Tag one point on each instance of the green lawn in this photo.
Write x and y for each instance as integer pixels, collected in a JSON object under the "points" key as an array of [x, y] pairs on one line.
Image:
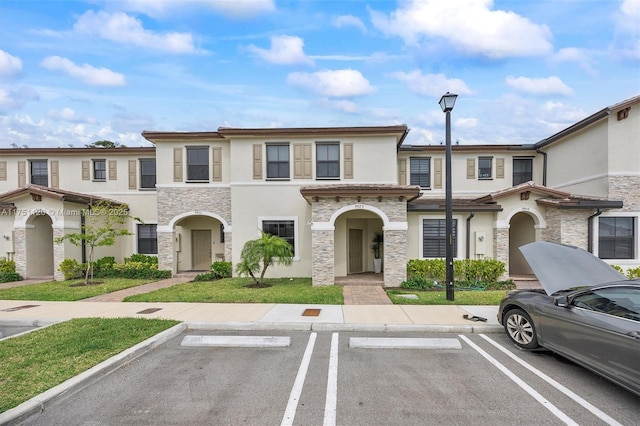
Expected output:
{"points": [[42, 359], [487, 297], [69, 290], [234, 290]]}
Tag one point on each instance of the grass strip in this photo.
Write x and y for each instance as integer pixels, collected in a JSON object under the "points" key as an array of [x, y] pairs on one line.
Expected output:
{"points": [[487, 297], [37, 361], [69, 291], [235, 290]]}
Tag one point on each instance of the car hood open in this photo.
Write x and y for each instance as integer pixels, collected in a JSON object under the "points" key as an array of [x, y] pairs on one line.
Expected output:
{"points": [[561, 267]]}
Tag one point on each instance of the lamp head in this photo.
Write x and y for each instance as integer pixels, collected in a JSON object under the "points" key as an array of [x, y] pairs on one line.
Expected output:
{"points": [[447, 101]]}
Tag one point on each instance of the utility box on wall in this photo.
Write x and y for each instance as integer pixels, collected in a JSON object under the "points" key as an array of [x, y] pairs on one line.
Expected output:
{"points": [[481, 244]]}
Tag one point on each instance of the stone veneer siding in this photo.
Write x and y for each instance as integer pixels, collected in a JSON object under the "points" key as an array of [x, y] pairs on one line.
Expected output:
{"points": [[395, 241], [20, 256], [627, 189], [567, 227], [501, 246], [58, 254], [174, 201]]}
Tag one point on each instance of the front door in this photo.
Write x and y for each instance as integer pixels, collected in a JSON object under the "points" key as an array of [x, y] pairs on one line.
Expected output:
{"points": [[355, 251], [201, 249]]}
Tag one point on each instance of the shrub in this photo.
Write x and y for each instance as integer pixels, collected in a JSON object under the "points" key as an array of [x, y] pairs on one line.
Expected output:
{"points": [[222, 269], [417, 283], [103, 267], [633, 273], [467, 270], [7, 277], [71, 269], [133, 269], [618, 268], [7, 266], [142, 258]]}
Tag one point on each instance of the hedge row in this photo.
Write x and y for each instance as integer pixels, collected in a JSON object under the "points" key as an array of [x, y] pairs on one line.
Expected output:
{"points": [[136, 266]]}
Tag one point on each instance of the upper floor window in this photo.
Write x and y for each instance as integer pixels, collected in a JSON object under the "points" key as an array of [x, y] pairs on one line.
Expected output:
{"points": [[434, 238], [484, 167], [100, 170], [420, 169], [278, 161], [147, 173], [198, 163], [39, 173], [147, 239], [328, 160], [522, 170], [616, 238]]}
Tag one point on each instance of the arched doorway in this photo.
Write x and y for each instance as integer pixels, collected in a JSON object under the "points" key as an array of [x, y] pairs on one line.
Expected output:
{"points": [[198, 242], [521, 232], [39, 246], [354, 230]]}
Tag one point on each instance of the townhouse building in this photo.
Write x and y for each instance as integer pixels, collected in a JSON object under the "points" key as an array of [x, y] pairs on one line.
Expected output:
{"points": [[328, 191]]}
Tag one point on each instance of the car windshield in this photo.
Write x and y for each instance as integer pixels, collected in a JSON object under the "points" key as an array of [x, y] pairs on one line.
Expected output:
{"points": [[621, 302]]}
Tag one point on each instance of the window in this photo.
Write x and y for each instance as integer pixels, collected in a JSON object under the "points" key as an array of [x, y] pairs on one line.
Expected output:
{"points": [[621, 302], [284, 229], [420, 169], [147, 239], [198, 163], [484, 167], [147, 173], [39, 174], [434, 238], [328, 161], [616, 238], [100, 170], [522, 170], [277, 161]]}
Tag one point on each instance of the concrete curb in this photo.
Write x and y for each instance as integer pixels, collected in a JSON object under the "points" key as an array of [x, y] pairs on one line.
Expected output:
{"points": [[39, 402]]}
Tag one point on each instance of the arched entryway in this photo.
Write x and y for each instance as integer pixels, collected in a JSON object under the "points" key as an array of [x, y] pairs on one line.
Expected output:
{"points": [[521, 232], [39, 246], [199, 241], [354, 231]]}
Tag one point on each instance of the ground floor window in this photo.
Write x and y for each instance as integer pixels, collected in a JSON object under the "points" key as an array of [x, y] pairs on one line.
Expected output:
{"points": [[616, 238], [434, 238], [284, 229], [147, 239]]}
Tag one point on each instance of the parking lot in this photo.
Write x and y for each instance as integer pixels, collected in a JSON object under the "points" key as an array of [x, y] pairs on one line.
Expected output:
{"points": [[344, 378]]}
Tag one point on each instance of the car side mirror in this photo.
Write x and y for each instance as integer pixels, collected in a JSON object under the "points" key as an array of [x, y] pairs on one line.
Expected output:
{"points": [[562, 301]]}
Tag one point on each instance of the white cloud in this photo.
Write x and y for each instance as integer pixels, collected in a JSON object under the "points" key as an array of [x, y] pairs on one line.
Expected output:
{"points": [[341, 105], [350, 21], [539, 86], [581, 57], [85, 73], [285, 50], [10, 66], [431, 84], [68, 114], [469, 25], [122, 28], [332, 83], [238, 9], [628, 26], [15, 99]]}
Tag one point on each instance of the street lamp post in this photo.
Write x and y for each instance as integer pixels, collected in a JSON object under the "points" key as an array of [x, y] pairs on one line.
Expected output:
{"points": [[447, 102]]}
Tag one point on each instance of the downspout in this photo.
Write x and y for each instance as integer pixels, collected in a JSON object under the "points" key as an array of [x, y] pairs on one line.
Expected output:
{"points": [[544, 166], [590, 229], [83, 243], [471, 214]]}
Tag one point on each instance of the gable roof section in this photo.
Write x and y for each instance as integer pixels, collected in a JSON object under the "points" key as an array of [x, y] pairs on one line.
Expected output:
{"points": [[520, 189], [55, 193]]}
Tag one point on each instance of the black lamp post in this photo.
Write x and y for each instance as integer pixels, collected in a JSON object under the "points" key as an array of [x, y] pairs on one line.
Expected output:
{"points": [[447, 101]]}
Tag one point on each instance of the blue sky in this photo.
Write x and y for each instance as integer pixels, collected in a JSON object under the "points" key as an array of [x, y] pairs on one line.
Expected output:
{"points": [[74, 72]]}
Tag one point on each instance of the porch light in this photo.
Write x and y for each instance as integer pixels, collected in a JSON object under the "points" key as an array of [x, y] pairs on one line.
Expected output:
{"points": [[447, 101]]}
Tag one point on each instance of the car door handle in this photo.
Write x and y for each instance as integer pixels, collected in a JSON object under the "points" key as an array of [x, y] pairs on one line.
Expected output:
{"points": [[634, 334]]}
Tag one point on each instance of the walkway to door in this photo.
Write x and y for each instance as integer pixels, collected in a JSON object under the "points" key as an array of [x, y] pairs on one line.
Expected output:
{"points": [[363, 289]]}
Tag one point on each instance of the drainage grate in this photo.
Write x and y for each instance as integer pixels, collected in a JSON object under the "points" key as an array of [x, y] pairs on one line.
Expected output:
{"points": [[311, 312], [149, 311], [18, 308]]}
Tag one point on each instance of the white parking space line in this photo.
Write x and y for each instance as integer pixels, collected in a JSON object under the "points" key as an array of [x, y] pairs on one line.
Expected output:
{"points": [[331, 401], [601, 415], [294, 397], [545, 403], [237, 341], [403, 343]]}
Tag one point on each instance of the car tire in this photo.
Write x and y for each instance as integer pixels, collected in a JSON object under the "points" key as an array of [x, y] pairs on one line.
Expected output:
{"points": [[520, 329]]}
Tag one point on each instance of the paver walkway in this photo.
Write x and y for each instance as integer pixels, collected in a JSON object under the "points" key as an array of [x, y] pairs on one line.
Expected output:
{"points": [[365, 295], [118, 296]]}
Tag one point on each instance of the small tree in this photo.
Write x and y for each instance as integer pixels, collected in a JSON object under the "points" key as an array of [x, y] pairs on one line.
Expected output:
{"points": [[257, 255], [103, 224]]}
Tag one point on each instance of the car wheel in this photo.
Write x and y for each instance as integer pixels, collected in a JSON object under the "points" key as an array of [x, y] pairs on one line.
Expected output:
{"points": [[520, 329]]}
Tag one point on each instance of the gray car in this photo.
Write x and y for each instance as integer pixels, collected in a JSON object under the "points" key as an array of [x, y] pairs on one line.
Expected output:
{"points": [[588, 312]]}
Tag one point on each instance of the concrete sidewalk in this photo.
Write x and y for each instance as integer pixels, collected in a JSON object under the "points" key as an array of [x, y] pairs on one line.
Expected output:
{"points": [[247, 316]]}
